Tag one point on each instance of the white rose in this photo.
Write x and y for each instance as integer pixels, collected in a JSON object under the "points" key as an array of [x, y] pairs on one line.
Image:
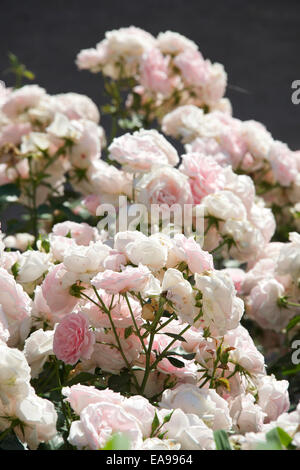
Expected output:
{"points": [[38, 347], [205, 403], [224, 205], [32, 265], [148, 252], [180, 292], [222, 310], [246, 415]]}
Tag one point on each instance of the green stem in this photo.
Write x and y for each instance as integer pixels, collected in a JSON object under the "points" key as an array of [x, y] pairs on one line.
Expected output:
{"points": [[106, 310], [135, 324]]}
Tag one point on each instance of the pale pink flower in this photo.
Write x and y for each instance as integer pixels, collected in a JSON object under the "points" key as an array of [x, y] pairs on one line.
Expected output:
{"points": [[154, 72], [56, 294], [82, 233], [119, 311], [164, 186], [273, 396], [283, 163], [194, 69], [188, 250], [130, 278], [142, 150], [72, 339], [21, 99], [99, 421], [205, 175], [80, 396]]}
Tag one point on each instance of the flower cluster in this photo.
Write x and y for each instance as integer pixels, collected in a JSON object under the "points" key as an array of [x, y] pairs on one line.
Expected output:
{"points": [[149, 300], [158, 74], [248, 148]]}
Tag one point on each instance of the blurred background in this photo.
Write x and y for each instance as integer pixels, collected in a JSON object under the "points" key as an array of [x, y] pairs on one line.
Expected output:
{"points": [[258, 42]]}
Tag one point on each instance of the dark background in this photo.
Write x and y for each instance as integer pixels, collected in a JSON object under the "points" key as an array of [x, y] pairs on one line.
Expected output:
{"points": [[257, 41]]}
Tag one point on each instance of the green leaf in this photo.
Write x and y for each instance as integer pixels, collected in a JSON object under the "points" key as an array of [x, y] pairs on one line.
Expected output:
{"points": [[276, 439], [15, 269], [175, 336], [118, 441], [284, 437], [293, 322], [175, 362], [128, 332], [221, 440], [155, 424]]}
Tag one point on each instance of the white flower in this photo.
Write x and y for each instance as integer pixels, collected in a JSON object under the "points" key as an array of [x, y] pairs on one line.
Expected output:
{"points": [[38, 347], [205, 403], [32, 265], [222, 310]]}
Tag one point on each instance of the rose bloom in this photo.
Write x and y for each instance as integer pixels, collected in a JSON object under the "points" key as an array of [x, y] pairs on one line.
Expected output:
{"points": [[205, 175], [188, 250], [222, 310], [246, 415], [224, 205], [206, 404], [16, 307], [99, 421], [188, 430], [154, 73], [56, 294], [283, 163], [273, 396], [80, 396], [130, 278], [183, 122], [142, 150], [263, 307], [82, 233], [106, 354], [72, 339], [194, 69], [21, 99], [245, 352], [164, 186], [173, 43], [38, 347], [77, 106]]}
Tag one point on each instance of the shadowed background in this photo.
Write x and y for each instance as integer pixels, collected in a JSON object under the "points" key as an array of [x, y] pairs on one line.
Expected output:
{"points": [[258, 43]]}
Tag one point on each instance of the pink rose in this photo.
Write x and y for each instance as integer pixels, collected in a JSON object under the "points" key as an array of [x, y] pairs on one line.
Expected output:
{"points": [[57, 296], [21, 99], [16, 307], [129, 279], [194, 69], [154, 73], [190, 251], [164, 185], [82, 233], [106, 354], [238, 277], [80, 396], [205, 175], [283, 163], [273, 396], [142, 150], [119, 310], [72, 339], [99, 421]]}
